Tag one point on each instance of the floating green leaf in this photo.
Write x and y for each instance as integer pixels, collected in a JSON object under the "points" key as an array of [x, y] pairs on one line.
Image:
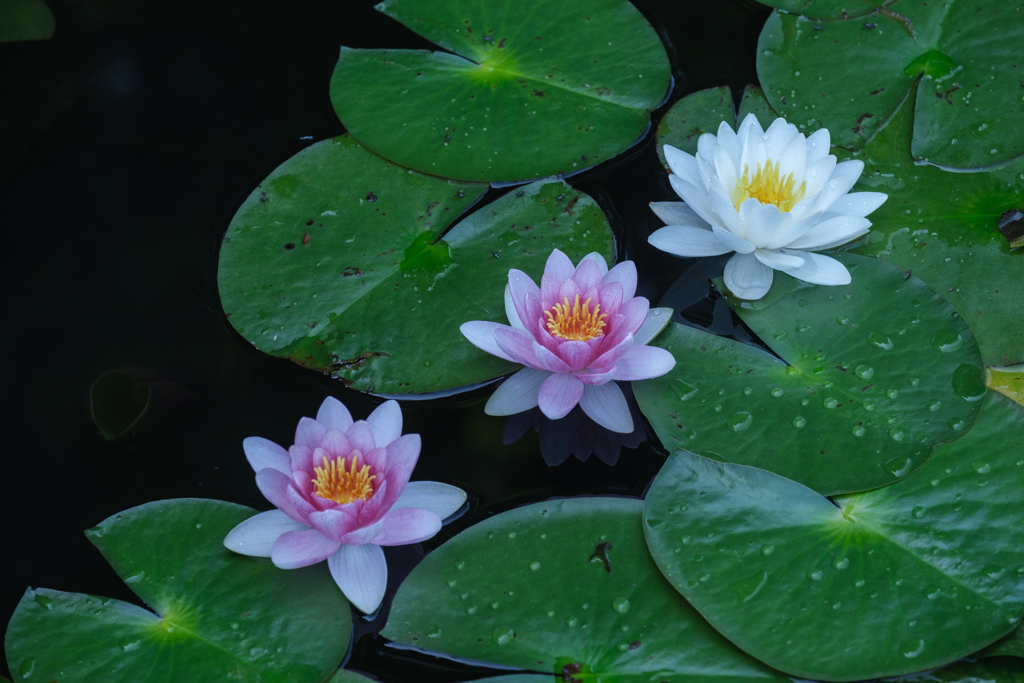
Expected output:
{"points": [[943, 227], [1010, 646], [375, 295], [961, 57], [900, 579], [566, 587], [872, 376], [526, 89], [992, 671], [216, 615], [828, 9], [25, 20]]}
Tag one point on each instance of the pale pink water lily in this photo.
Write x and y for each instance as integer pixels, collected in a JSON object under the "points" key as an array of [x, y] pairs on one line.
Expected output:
{"points": [[577, 333], [774, 197], [341, 492]]}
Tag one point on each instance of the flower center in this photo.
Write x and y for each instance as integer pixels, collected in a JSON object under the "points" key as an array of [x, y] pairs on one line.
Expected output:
{"points": [[334, 482], [769, 186], [576, 322]]}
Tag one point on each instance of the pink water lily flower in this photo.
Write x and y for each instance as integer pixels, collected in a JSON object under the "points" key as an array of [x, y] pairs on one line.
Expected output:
{"points": [[576, 333], [341, 492]]}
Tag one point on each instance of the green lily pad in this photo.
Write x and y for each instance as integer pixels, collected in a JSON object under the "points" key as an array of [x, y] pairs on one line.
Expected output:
{"points": [[526, 89], [703, 111], [962, 58], [1010, 646], [215, 615], [376, 295], [992, 671], [900, 579], [828, 9], [1007, 381], [872, 376], [25, 20], [566, 587], [943, 227]]}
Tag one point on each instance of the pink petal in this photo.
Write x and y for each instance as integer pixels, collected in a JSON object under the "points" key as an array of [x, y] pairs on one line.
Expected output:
{"points": [[361, 437], [385, 423], [587, 275], [568, 291], [480, 334], [534, 311], [333, 524], [361, 573], [362, 535], [256, 536], [517, 345], [377, 505], [576, 354], [517, 393], [546, 360], [274, 486], [301, 459], [334, 415], [633, 313], [549, 289], [605, 405], [559, 266], [611, 298], [408, 525], [296, 549], [521, 286], [559, 394], [613, 353], [335, 443], [595, 375], [643, 362], [403, 453], [309, 432], [263, 453], [376, 459], [303, 508]]}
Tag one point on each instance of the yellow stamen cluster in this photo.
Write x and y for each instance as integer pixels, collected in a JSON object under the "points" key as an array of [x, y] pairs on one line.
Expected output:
{"points": [[769, 186], [576, 323], [334, 482]]}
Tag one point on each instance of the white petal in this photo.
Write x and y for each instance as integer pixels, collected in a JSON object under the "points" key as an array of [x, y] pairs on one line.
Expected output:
{"points": [[255, 536], [264, 453], [362, 575], [386, 423], [849, 169], [858, 203], [818, 173], [480, 334], [687, 241], [696, 198], [763, 221], [683, 164], [834, 231], [777, 260], [835, 188], [731, 145], [656, 321], [443, 500], [750, 122], [678, 213], [706, 148], [510, 310], [722, 203], [818, 145], [777, 137], [518, 393], [605, 405], [820, 270], [725, 166], [794, 158], [793, 231], [746, 277], [734, 242], [754, 153]]}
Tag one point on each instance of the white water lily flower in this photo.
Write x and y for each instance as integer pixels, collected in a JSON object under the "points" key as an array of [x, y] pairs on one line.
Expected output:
{"points": [[774, 197]]}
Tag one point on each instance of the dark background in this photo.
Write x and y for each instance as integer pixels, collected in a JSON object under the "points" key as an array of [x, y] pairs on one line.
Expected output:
{"points": [[127, 142]]}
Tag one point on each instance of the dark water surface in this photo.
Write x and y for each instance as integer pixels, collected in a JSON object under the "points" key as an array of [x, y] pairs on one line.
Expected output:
{"points": [[127, 142]]}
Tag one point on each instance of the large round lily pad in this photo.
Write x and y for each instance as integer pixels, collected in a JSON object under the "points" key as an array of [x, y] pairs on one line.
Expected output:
{"points": [[337, 261], [868, 378], [829, 9], [564, 587], [527, 88], [962, 57], [900, 579], [215, 615], [991, 671]]}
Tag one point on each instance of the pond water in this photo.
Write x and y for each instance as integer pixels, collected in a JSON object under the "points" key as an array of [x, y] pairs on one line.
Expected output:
{"points": [[127, 142]]}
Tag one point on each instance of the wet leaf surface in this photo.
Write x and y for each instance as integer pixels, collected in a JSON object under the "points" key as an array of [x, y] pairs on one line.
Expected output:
{"points": [[25, 20], [962, 59], [872, 376], [215, 615], [787, 575], [524, 88], [498, 593], [379, 270], [827, 9]]}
